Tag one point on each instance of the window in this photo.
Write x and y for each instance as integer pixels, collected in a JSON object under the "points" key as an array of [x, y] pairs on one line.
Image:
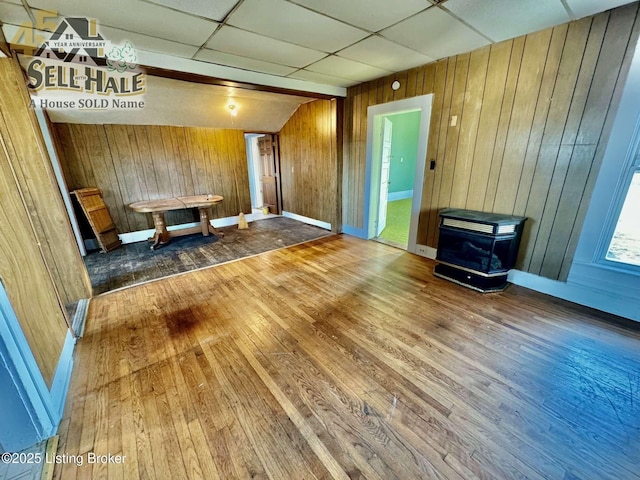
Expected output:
{"points": [[625, 242]]}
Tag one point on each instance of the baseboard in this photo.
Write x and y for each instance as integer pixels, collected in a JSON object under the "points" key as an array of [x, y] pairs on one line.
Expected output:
{"points": [[606, 301], [354, 231], [62, 380], [580, 294], [393, 196], [80, 317], [310, 221], [143, 235]]}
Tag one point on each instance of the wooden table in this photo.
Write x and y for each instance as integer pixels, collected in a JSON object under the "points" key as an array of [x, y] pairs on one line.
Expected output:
{"points": [[157, 208]]}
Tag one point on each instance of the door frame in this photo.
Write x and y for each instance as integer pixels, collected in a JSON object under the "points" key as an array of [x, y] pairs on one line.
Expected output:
{"points": [[50, 144], [253, 167], [38, 401], [387, 126], [275, 145], [375, 113], [275, 142]]}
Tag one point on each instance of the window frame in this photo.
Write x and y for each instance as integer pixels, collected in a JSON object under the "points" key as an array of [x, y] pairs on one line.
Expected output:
{"points": [[631, 166]]}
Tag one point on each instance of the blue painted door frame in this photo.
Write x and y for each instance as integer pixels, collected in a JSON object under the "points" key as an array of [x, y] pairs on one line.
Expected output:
{"points": [[30, 410]]}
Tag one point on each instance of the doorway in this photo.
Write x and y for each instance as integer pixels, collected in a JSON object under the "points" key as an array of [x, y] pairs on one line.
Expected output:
{"points": [[400, 139], [397, 136], [264, 174]]}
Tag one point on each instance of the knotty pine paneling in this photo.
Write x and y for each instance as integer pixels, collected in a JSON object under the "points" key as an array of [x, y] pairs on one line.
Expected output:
{"points": [[534, 114], [309, 161], [130, 163]]}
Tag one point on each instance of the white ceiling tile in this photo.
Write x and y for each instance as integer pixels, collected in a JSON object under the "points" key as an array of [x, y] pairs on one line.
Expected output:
{"points": [[248, 44], [203, 8], [382, 53], [229, 60], [372, 15], [136, 16], [294, 24], [436, 34], [322, 78], [583, 8], [503, 19], [14, 14], [341, 67], [150, 44]]}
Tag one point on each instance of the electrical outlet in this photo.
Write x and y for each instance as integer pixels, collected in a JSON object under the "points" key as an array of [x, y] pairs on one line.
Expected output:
{"points": [[454, 120]]}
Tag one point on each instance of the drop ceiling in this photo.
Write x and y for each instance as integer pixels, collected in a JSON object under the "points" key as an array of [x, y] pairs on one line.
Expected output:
{"points": [[312, 45]]}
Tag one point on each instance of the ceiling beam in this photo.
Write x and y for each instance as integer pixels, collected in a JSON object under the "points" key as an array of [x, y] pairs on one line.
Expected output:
{"points": [[264, 81], [207, 80]]}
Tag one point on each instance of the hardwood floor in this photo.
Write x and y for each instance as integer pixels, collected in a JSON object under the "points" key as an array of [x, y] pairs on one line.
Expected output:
{"points": [[342, 358]]}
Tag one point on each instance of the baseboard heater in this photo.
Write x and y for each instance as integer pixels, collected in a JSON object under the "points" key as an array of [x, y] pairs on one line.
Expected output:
{"points": [[477, 249]]}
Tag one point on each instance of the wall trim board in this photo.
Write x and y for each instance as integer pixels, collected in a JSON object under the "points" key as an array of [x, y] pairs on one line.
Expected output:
{"points": [[393, 196], [607, 278], [62, 380], [80, 317], [310, 221], [143, 235], [354, 231], [606, 297], [426, 251], [590, 296], [44, 406], [62, 185]]}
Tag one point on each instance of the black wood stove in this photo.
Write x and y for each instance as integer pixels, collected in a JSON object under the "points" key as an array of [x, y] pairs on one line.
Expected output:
{"points": [[477, 249]]}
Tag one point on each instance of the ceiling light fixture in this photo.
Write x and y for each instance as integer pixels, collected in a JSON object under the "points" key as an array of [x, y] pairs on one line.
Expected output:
{"points": [[395, 85], [232, 109]]}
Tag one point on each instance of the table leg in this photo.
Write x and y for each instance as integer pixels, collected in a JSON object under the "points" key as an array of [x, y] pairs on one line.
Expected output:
{"points": [[204, 221], [161, 235], [205, 224]]}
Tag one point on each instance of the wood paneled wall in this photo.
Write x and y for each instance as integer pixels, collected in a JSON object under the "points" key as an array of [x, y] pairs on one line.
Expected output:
{"points": [[39, 255], [26, 150], [311, 162], [132, 163], [534, 115]]}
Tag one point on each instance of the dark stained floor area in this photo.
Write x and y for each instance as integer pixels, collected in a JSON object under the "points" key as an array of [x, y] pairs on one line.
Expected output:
{"points": [[135, 263]]}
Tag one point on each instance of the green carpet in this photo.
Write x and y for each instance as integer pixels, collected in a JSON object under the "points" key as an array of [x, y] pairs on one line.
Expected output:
{"points": [[398, 220]]}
